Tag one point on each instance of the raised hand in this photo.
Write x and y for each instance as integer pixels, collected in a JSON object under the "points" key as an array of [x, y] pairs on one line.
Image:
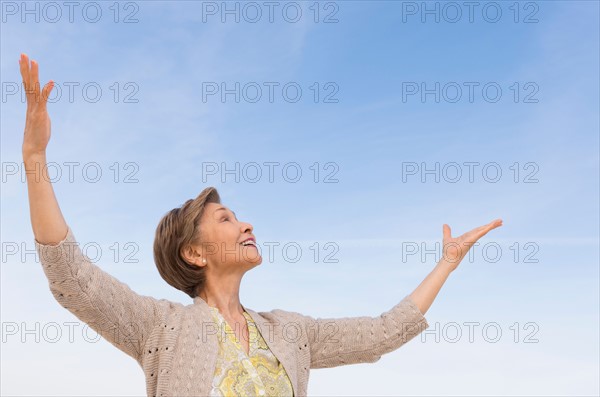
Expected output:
{"points": [[456, 248], [37, 122]]}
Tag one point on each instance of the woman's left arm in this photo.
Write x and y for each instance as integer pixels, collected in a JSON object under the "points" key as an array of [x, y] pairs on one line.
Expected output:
{"points": [[332, 342], [454, 251]]}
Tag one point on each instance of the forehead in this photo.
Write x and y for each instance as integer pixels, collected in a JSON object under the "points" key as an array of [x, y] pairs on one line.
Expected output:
{"points": [[214, 210]]}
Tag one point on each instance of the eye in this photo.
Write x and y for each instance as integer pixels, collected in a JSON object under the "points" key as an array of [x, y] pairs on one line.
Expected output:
{"points": [[225, 219]]}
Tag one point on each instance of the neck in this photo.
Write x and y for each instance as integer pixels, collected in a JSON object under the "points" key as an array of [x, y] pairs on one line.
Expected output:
{"points": [[224, 295]]}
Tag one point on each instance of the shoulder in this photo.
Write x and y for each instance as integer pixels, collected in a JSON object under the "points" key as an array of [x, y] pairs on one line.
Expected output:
{"points": [[280, 317], [167, 309]]}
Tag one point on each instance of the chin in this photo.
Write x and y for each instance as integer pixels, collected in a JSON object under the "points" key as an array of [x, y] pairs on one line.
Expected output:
{"points": [[256, 262], [252, 260]]}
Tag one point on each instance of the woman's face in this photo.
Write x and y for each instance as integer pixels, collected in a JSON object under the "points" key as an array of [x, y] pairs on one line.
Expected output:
{"points": [[222, 238]]}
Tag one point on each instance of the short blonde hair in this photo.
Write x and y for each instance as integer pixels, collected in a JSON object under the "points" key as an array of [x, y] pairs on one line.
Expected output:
{"points": [[179, 228]]}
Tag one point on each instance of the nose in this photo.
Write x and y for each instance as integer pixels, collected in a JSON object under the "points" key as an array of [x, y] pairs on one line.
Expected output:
{"points": [[246, 227]]}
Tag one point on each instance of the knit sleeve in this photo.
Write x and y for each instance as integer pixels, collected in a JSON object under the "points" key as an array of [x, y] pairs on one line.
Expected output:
{"points": [[108, 306], [352, 340]]}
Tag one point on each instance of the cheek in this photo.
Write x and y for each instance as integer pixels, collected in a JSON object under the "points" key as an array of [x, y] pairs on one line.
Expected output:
{"points": [[227, 233], [213, 233]]}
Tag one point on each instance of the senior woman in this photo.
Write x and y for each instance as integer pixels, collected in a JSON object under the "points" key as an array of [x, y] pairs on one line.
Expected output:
{"points": [[215, 346]]}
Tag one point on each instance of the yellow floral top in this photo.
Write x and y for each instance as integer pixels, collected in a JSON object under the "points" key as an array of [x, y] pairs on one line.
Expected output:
{"points": [[258, 373]]}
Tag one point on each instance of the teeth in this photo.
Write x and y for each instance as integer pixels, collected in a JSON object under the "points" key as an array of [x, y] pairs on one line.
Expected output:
{"points": [[249, 242]]}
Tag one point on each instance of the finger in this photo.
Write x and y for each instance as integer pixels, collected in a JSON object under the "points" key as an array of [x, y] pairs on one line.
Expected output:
{"points": [[46, 93], [493, 224], [35, 80], [446, 231], [25, 72], [28, 68], [481, 231], [23, 67], [486, 228]]}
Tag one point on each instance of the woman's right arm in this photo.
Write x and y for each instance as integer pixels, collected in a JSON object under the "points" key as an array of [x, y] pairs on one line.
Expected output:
{"points": [[107, 305], [47, 221], [49, 226]]}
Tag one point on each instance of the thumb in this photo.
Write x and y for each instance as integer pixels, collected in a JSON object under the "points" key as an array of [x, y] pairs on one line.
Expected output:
{"points": [[46, 93], [446, 231]]}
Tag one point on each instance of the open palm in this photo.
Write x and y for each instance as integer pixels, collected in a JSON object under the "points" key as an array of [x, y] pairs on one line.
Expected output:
{"points": [[37, 121], [456, 248]]}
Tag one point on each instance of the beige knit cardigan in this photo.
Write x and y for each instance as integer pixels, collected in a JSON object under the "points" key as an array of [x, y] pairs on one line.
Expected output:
{"points": [[176, 345]]}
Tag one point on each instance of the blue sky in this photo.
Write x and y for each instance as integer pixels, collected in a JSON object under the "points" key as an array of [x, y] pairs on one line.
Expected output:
{"points": [[543, 284]]}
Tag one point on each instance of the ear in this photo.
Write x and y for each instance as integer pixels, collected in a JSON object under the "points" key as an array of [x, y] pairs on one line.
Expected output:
{"points": [[192, 256]]}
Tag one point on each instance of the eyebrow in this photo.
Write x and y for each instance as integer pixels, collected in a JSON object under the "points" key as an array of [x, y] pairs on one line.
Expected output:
{"points": [[225, 209]]}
